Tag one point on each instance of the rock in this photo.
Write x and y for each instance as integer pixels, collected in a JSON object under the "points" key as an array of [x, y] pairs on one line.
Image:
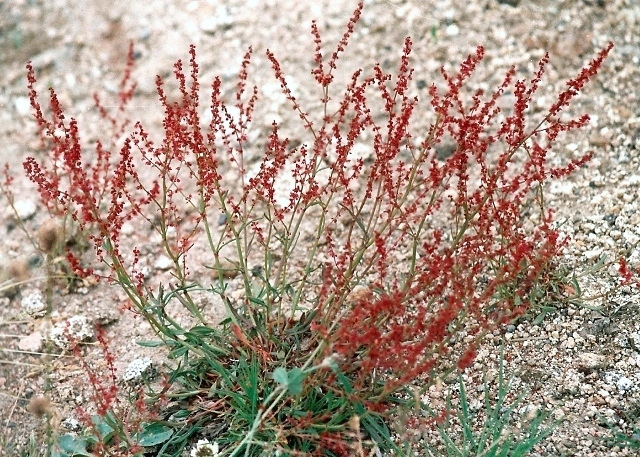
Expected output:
{"points": [[138, 369], [72, 424], [221, 20], [358, 293], [104, 317], [163, 263], [452, 30], [591, 361], [445, 150], [22, 105], [31, 342], [34, 304], [25, 209], [623, 383], [592, 254], [46, 58], [76, 329]]}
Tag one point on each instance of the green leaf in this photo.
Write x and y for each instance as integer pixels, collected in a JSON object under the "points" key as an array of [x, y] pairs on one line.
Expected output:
{"points": [[150, 344], [341, 377], [105, 431], [544, 310], [281, 376], [257, 301], [379, 432], [292, 380], [154, 434], [71, 446], [289, 290], [576, 286], [296, 376]]}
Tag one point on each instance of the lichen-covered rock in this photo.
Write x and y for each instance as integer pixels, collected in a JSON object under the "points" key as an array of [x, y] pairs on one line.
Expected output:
{"points": [[76, 329], [138, 369]]}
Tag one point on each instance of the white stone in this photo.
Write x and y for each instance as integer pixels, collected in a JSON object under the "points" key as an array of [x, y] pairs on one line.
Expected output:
{"points": [[25, 209], [138, 368], [630, 237], [623, 383], [72, 424], [452, 30], [31, 342], [34, 305], [561, 187], [591, 361], [592, 254], [221, 20], [163, 263], [22, 105], [76, 328]]}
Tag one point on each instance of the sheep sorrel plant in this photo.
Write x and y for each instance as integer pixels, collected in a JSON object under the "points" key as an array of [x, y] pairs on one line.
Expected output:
{"points": [[355, 264]]}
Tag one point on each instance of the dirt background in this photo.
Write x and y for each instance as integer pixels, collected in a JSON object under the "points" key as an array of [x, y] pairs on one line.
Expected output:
{"points": [[572, 362]]}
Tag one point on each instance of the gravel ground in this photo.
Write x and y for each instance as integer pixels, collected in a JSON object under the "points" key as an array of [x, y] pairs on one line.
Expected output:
{"points": [[583, 361]]}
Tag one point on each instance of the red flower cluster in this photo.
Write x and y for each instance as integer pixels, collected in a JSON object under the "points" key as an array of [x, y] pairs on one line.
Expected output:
{"points": [[454, 281]]}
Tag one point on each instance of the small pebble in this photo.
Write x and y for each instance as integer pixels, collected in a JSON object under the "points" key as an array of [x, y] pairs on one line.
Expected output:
{"points": [[34, 304], [25, 209], [137, 369], [163, 263], [76, 329]]}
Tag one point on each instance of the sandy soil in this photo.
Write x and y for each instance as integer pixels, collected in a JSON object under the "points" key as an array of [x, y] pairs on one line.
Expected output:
{"points": [[572, 361]]}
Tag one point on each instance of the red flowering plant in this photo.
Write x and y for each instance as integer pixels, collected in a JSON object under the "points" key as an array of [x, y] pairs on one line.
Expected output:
{"points": [[353, 260]]}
